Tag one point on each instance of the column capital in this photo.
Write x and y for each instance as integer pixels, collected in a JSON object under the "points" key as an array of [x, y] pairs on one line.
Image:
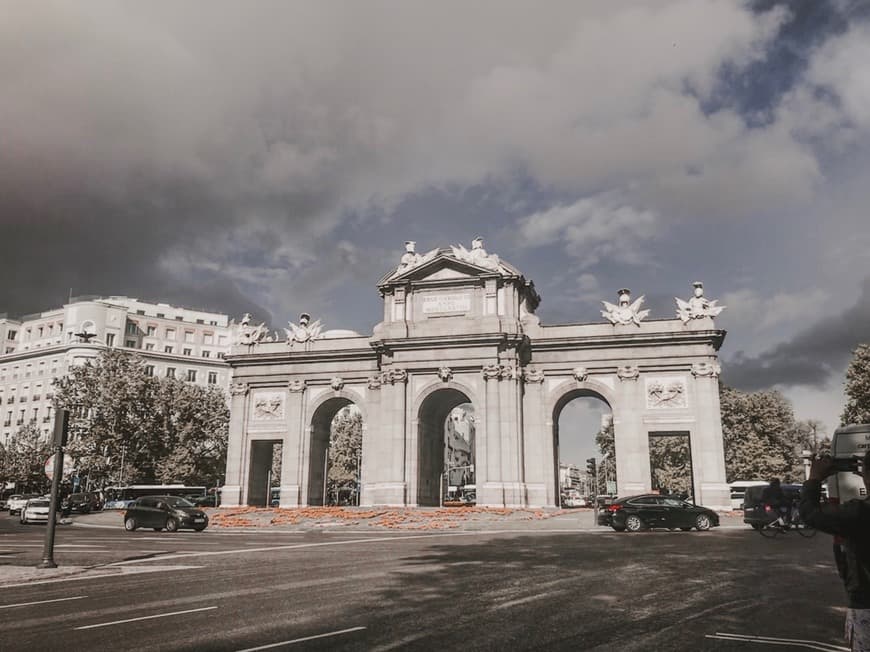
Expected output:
{"points": [[239, 389], [296, 385]]}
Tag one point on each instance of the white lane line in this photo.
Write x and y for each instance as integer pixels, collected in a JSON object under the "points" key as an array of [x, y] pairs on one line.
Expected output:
{"points": [[300, 640], [212, 553], [772, 640], [132, 620], [28, 604]]}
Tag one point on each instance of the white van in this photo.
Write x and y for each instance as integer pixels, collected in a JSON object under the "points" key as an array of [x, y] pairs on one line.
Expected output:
{"points": [[848, 442], [738, 491]]}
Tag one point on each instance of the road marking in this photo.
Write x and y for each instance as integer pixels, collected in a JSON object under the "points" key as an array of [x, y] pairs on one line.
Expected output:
{"points": [[301, 640], [28, 604], [772, 640], [132, 620]]}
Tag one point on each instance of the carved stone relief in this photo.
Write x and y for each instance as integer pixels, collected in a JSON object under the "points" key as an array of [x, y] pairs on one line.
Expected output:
{"points": [[445, 373], [625, 311], [698, 306], [628, 372], [336, 383], [706, 369], [374, 382], [666, 392], [533, 375], [238, 389], [580, 374], [296, 385], [268, 406], [394, 376]]}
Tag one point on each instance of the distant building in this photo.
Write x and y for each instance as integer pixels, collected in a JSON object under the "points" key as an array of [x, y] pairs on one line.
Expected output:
{"points": [[459, 446], [571, 477], [37, 349]]}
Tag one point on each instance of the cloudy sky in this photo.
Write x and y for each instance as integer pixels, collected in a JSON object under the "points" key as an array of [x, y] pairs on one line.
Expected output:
{"points": [[273, 157]]}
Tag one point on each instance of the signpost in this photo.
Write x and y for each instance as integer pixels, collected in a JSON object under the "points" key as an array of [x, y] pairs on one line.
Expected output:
{"points": [[61, 430]]}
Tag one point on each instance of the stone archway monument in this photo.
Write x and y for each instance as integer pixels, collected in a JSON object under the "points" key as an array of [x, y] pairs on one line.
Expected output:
{"points": [[459, 326]]}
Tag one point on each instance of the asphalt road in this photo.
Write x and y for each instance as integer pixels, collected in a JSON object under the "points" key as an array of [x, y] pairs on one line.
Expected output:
{"points": [[590, 590]]}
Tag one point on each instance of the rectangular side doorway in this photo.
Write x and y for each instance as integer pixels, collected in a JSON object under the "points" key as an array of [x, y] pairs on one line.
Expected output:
{"points": [[670, 462], [260, 473]]}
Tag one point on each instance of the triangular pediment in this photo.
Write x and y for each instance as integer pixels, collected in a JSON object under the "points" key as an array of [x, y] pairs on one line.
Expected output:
{"points": [[441, 266]]}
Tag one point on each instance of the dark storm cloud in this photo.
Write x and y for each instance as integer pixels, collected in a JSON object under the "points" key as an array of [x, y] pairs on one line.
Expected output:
{"points": [[811, 358]]}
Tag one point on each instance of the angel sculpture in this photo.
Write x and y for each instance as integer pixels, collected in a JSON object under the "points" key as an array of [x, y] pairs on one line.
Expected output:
{"points": [[304, 331], [247, 334], [477, 256], [698, 306], [625, 312]]}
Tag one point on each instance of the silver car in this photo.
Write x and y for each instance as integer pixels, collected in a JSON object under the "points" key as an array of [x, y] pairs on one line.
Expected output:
{"points": [[36, 511]]}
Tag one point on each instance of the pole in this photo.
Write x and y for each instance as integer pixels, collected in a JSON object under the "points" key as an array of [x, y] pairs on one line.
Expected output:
{"points": [[61, 426], [325, 469]]}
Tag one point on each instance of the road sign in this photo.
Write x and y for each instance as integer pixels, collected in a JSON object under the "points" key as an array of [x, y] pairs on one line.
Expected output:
{"points": [[68, 467], [611, 487]]}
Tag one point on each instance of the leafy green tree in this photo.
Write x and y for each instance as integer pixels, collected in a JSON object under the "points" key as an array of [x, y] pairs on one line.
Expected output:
{"points": [[669, 458], [133, 427], [606, 443], [23, 459], [760, 435], [857, 409], [344, 451]]}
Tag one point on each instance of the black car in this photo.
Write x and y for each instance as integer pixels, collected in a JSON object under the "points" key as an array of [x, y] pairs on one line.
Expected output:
{"points": [[84, 503], [169, 512], [756, 513], [635, 513]]}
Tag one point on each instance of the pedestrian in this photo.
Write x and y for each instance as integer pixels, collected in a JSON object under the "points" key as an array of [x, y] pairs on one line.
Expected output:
{"points": [[850, 525], [775, 498]]}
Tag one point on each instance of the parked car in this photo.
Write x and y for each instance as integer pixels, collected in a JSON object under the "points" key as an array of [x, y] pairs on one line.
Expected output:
{"points": [[84, 503], [211, 500], [17, 502], [635, 513], [36, 510], [164, 512], [756, 513], [573, 501]]}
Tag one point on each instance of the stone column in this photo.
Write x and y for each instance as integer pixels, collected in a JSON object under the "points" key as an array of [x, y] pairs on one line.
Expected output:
{"points": [[708, 451], [291, 459], [538, 464], [372, 435], [631, 437], [509, 429], [390, 487], [491, 492], [236, 476]]}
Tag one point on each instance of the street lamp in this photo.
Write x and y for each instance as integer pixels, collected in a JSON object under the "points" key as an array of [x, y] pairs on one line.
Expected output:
{"points": [[61, 432]]}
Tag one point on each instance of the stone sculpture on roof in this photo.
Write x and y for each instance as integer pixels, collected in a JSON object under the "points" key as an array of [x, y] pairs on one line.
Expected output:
{"points": [[477, 256], [698, 306], [625, 311], [305, 331], [247, 334]]}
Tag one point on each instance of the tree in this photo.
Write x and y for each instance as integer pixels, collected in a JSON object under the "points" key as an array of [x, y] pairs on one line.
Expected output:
{"points": [[669, 460], [344, 450], [760, 435], [606, 443], [137, 428], [23, 459], [857, 409]]}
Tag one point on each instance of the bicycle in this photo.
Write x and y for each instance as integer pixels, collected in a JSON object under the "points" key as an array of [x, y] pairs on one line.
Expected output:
{"points": [[779, 526]]}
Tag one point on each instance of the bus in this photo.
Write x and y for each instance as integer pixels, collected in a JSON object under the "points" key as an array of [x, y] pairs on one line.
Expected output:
{"points": [[123, 497]]}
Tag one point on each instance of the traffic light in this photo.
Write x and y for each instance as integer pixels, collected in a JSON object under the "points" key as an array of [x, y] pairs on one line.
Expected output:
{"points": [[590, 466]]}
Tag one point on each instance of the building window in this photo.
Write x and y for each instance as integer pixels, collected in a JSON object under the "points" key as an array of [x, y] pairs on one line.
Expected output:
{"points": [[170, 333], [110, 339], [131, 344], [220, 355], [206, 354], [188, 351], [170, 372], [188, 336], [191, 375], [40, 331], [212, 378], [161, 315], [132, 328], [208, 338], [140, 312], [167, 349], [11, 335], [149, 370], [35, 414], [152, 331], [149, 346]]}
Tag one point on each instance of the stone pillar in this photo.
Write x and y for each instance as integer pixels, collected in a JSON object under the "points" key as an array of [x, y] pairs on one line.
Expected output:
{"points": [[510, 432], [537, 461], [236, 476], [630, 435], [390, 488], [491, 492], [372, 451], [708, 450], [291, 459]]}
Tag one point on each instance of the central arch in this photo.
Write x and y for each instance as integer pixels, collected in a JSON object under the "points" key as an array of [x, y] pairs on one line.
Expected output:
{"points": [[432, 419], [561, 403]]}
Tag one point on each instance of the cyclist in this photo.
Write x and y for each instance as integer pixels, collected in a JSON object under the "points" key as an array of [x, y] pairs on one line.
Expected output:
{"points": [[774, 497]]}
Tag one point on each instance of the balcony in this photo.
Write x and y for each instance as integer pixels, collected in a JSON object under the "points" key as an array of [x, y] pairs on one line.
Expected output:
{"points": [[19, 422]]}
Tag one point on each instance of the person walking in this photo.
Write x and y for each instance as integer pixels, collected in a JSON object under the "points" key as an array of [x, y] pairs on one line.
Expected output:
{"points": [[850, 525]]}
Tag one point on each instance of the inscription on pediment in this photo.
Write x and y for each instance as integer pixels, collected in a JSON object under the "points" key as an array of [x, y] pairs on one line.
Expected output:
{"points": [[443, 302]]}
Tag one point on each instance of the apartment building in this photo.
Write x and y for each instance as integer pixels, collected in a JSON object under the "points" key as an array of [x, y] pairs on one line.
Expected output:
{"points": [[37, 349]]}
